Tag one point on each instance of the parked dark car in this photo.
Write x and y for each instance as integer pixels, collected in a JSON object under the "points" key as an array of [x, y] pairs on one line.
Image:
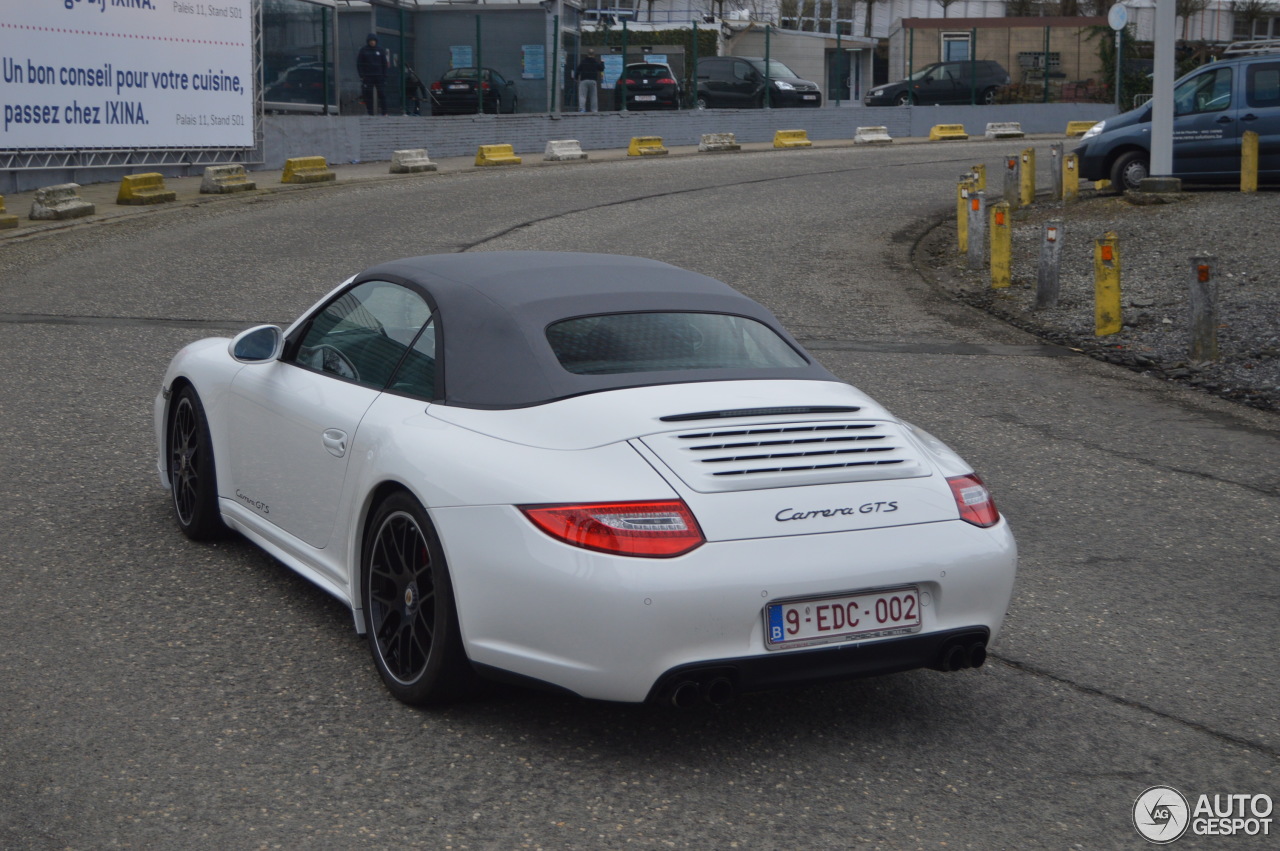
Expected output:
{"points": [[648, 85], [962, 81], [304, 84], [1213, 106], [738, 82], [455, 92]]}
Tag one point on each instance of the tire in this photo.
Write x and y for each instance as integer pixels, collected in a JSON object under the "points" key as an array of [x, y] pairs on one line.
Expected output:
{"points": [[700, 102], [988, 96], [902, 99], [410, 618], [515, 106], [1129, 170], [193, 482]]}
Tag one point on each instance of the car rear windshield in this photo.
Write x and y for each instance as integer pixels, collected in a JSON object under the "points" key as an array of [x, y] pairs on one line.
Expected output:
{"points": [[656, 342], [648, 71]]}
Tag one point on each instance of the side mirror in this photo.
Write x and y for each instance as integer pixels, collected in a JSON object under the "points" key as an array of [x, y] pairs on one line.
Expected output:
{"points": [[262, 344]]}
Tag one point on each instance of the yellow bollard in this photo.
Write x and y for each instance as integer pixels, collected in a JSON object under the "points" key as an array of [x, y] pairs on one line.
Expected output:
{"points": [[963, 188], [1106, 285], [1001, 246], [1028, 187], [979, 178], [1070, 177], [1249, 161]]}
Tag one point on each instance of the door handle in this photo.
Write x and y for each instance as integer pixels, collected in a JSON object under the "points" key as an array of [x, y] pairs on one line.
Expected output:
{"points": [[1249, 117], [1225, 119], [335, 442]]}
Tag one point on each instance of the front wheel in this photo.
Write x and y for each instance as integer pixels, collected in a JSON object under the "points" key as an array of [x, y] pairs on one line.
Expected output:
{"points": [[903, 99], [410, 618], [700, 103], [988, 97], [1129, 170], [192, 479]]}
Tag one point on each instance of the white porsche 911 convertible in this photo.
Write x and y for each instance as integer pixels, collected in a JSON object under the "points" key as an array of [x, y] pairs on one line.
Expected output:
{"points": [[602, 475]]}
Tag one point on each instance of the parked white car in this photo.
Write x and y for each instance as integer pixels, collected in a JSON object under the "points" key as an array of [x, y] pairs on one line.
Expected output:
{"points": [[603, 475]]}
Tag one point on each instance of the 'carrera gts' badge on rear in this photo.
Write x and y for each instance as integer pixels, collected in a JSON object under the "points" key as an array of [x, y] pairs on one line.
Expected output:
{"points": [[866, 508]]}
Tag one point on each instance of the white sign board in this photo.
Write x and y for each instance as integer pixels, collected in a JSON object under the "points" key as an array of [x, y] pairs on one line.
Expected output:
{"points": [[1118, 17], [126, 74]]}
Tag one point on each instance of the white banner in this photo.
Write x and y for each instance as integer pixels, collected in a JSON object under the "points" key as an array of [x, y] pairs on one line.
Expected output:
{"points": [[126, 74]]}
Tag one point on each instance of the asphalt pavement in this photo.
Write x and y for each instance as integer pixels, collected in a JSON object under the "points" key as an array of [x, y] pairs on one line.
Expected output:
{"points": [[165, 694]]}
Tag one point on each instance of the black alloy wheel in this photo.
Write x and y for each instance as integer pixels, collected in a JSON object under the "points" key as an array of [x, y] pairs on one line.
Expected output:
{"points": [[410, 618], [192, 480], [902, 99], [988, 96]]}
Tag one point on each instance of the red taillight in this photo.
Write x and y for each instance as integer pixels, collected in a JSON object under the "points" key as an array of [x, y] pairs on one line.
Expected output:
{"points": [[437, 86], [666, 81], [659, 529], [629, 82], [484, 86], [974, 500]]}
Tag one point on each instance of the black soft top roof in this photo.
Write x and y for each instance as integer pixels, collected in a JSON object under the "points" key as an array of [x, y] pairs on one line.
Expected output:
{"points": [[493, 309]]}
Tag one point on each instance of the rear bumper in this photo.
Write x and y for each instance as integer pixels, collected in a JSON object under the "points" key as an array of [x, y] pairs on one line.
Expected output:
{"points": [[842, 662], [613, 628]]}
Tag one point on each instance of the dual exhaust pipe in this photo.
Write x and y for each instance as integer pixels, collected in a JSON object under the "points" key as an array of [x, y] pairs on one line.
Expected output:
{"points": [[961, 654], [688, 693]]}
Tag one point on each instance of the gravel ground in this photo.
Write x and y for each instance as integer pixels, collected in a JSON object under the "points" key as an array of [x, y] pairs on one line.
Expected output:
{"points": [[1156, 244]]}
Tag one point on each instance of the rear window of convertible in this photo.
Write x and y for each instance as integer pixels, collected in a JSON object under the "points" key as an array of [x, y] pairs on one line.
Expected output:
{"points": [[660, 342]]}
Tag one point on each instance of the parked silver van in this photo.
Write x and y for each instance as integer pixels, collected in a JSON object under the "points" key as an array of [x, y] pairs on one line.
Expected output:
{"points": [[1212, 106]]}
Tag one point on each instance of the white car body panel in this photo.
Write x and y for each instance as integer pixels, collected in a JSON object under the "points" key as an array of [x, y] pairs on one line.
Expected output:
{"points": [[646, 616]]}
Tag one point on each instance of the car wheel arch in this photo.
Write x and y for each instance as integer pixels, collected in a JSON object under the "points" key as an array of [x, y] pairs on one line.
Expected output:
{"points": [[178, 384], [1120, 152], [373, 500]]}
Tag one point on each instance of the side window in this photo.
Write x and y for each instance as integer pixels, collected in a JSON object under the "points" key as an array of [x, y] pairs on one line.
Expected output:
{"points": [[1262, 84], [1208, 92], [417, 373], [363, 334], [741, 71]]}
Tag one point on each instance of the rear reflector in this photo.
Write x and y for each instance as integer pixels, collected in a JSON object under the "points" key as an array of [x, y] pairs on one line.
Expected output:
{"points": [[660, 529], [974, 500]]}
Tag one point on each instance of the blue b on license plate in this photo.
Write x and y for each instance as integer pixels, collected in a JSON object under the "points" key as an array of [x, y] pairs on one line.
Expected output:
{"points": [[849, 617]]}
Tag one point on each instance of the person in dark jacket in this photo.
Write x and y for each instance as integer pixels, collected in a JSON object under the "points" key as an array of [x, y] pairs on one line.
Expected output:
{"points": [[588, 73], [372, 63]]}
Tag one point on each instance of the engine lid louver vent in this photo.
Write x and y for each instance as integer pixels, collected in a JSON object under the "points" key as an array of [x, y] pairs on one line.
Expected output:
{"points": [[778, 455]]}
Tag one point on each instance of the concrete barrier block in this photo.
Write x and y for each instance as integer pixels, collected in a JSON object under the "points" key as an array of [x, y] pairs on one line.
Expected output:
{"points": [[497, 155], [139, 189], [563, 150], [60, 202], [1004, 130], [221, 179], [411, 161], [1078, 128], [7, 219], [872, 136], [307, 170], [646, 146], [791, 139], [719, 142], [947, 132]]}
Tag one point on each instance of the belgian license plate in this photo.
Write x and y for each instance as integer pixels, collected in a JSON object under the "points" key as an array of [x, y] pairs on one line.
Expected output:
{"points": [[454, 87], [808, 97], [850, 617], [646, 97]]}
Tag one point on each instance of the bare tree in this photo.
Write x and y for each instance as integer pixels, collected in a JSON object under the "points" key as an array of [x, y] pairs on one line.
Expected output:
{"points": [[945, 4], [1188, 9]]}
